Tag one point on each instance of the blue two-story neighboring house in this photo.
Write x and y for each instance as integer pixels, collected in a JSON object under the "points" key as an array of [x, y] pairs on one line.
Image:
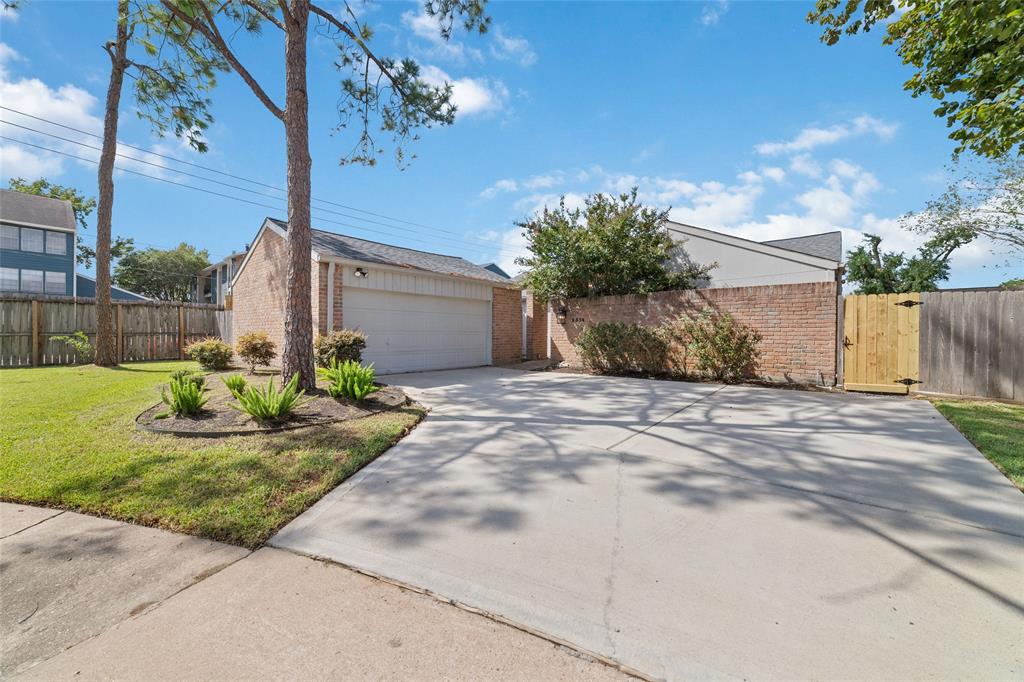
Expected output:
{"points": [[37, 249]]}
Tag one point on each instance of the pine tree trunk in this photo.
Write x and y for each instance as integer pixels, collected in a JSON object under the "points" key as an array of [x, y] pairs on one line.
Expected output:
{"points": [[297, 355], [106, 347]]}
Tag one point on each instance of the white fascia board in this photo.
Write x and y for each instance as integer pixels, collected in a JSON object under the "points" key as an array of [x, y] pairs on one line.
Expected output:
{"points": [[38, 226], [750, 245], [417, 271]]}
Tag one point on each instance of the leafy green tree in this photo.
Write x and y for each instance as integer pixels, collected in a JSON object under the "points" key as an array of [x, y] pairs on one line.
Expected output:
{"points": [[613, 245], [163, 274], [985, 202], [969, 55], [1015, 284], [373, 88], [878, 272], [171, 76]]}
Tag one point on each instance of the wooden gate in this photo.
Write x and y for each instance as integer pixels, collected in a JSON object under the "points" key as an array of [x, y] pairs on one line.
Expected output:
{"points": [[881, 342]]}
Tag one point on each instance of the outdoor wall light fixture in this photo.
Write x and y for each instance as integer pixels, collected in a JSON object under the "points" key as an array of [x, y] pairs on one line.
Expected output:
{"points": [[561, 313], [360, 272]]}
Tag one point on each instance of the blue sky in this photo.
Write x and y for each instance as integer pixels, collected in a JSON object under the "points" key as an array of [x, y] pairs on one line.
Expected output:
{"points": [[732, 113]]}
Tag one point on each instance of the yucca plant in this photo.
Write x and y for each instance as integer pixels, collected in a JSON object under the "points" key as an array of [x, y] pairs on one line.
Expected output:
{"points": [[268, 403], [198, 378], [187, 397], [349, 379], [235, 383]]}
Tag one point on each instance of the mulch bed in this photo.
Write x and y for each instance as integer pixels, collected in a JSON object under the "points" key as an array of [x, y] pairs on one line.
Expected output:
{"points": [[219, 419]]}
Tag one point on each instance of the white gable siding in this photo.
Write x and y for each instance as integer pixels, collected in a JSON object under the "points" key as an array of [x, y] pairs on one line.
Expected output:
{"points": [[742, 263]]}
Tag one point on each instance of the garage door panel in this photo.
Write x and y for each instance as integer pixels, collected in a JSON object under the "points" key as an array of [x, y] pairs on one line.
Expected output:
{"points": [[408, 332]]}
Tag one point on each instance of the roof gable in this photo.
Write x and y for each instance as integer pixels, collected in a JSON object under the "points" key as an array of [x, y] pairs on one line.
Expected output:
{"points": [[825, 245], [346, 247], [29, 209]]}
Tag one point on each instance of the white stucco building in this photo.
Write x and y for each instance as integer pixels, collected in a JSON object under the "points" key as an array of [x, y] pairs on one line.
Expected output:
{"points": [[742, 262]]}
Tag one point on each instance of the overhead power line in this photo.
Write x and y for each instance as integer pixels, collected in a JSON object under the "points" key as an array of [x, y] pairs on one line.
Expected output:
{"points": [[233, 176], [320, 219]]}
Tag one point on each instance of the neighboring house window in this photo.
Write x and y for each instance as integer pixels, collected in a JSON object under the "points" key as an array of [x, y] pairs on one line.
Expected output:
{"points": [[31, 240], [8, 279], [223, 274], [32, 281], [56, 283], [56, 243], [9, 238]]}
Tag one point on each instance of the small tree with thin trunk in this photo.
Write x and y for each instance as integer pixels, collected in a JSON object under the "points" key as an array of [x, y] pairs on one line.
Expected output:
{"points": [[374, 88], [171, 77]]}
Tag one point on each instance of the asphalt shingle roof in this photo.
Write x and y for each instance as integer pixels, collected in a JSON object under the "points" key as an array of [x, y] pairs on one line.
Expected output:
{"points": [[365, 251], [826, 245], [20, 207]]}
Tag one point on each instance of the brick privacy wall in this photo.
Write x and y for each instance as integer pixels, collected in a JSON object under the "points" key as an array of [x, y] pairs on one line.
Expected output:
{"points": [[506, 326], [536, 328], [797, 323]]}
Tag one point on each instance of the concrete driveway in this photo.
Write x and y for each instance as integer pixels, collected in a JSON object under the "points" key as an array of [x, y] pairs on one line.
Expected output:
{"points": [[695, 530]]}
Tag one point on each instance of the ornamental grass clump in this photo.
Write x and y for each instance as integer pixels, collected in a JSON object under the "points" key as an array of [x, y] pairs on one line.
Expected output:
{"points": [[269, 403], [195, 377], [349, 379], [235, 383], [186, 396]]}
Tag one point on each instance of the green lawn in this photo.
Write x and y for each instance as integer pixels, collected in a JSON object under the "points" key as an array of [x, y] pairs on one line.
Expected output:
{"points": [[68, 439], [996, 429]]}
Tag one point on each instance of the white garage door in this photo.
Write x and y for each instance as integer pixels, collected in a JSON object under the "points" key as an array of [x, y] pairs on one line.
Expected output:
{"points": [[412, 333]]}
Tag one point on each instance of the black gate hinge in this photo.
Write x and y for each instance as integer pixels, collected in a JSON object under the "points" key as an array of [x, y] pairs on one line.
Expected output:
{"points": [[909, 303], [907, 382]]}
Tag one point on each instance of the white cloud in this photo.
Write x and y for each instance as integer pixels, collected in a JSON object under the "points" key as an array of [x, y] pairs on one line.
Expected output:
{"points": [[66, 105], [514, 48], [535, 203], [813, 137], [713, 12], [499, 187], [773, 173], [805, 165], [470, 95], [428, 29], [511, 244]]}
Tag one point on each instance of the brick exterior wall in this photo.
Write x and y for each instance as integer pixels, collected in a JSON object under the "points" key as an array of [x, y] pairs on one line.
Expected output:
{"points": [[258, 296], [506, 326], [536, 328], [320, 301], [797, 323]]}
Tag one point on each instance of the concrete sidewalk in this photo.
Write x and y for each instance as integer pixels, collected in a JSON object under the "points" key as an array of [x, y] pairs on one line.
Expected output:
{"points": [[90, 598]]}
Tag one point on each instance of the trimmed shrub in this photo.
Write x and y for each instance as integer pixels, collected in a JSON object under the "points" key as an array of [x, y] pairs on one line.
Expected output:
{"points": [[349, 379], [618, 347], [270, 404], [235, 383], [720, 347], [80, 342], [342, 345], [187, 397], [255, 349], [211, 353]]}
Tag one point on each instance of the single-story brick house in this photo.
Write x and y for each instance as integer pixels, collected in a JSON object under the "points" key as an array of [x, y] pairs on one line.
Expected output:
{"points": [[419, 310]]}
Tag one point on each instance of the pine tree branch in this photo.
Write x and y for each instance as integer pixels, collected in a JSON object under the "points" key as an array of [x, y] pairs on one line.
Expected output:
{"points": [[212, 34], [347, 30], [256, 7]]}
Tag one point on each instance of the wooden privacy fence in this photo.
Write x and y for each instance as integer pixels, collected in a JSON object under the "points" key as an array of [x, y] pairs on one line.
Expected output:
{"points": [[144, 330], [972, 343], [968, 343]]}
